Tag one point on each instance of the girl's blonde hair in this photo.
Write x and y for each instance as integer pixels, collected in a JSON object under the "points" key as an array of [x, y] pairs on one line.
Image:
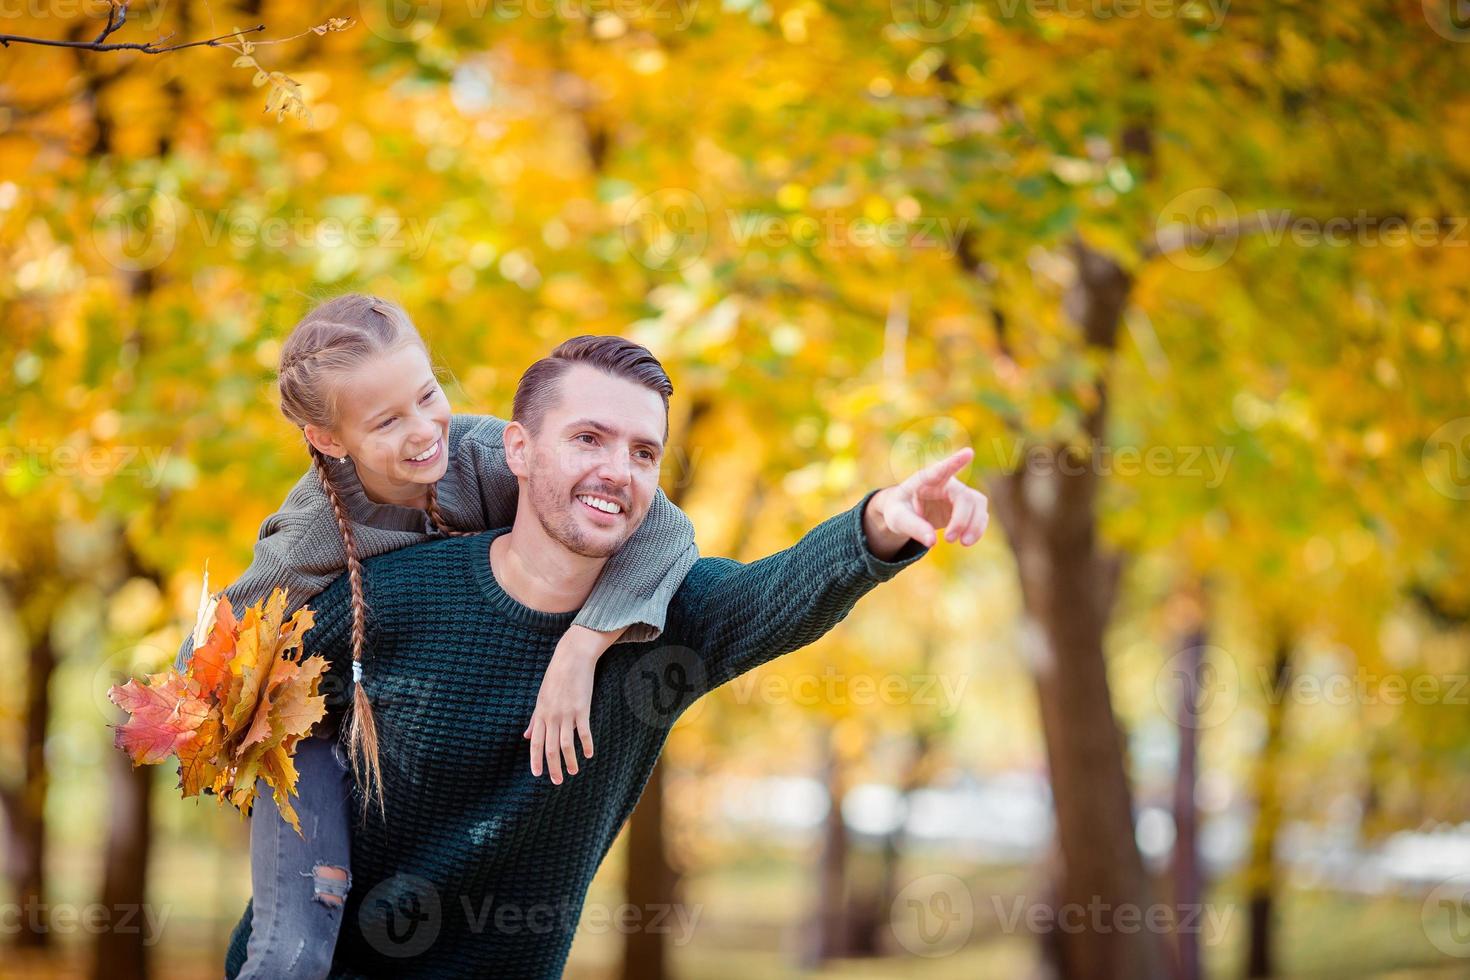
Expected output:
{"points": [[333, 339]]}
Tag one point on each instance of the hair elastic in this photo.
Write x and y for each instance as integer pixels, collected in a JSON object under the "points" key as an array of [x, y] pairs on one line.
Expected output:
{"points": [[357, 671]]}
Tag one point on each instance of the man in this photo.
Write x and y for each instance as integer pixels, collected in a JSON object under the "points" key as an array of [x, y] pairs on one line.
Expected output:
{"points": [[477, 868]]}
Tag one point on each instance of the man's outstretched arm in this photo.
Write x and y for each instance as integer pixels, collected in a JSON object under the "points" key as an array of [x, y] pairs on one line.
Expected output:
{"points": [[740, 616]]}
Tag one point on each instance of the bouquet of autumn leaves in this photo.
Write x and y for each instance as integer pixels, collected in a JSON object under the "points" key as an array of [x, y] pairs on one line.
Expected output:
{"points": [[237, 710]]}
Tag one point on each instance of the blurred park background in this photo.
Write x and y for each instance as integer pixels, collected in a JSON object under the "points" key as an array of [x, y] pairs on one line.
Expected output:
{"points": [[1192, 277]]}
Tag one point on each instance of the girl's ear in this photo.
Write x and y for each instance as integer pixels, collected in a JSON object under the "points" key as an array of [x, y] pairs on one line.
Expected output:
{"points": [[324, 441], [515, 439]]}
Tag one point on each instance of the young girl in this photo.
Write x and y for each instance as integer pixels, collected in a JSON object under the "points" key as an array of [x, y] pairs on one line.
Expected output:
{"points": [[392, 467]]}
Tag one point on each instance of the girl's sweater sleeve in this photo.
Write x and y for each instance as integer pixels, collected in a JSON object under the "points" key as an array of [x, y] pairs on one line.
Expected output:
{"points": [[291, 553], [637, 583]]}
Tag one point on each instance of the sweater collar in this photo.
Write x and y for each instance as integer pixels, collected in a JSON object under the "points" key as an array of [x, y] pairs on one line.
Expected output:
{"points": [[363, 509], [503, 602]]}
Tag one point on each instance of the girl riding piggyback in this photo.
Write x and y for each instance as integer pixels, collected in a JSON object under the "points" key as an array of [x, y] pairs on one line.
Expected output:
{"points": [[391, 467]]}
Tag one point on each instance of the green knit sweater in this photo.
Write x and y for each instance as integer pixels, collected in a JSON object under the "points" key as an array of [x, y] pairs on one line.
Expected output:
{"points": [[480, 869]]}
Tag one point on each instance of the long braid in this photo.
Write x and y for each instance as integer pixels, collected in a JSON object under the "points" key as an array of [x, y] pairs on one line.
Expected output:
{"points": [[438, 518], [362, 736]]}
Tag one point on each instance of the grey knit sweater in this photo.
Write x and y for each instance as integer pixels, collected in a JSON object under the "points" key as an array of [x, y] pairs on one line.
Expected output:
{"points": [[300, 548]]}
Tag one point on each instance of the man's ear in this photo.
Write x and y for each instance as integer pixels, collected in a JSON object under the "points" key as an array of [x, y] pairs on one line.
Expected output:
{"points": [[517, 442], [324, 441]]}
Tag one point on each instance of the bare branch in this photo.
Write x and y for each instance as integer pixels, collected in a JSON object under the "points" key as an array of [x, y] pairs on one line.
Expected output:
{"points": [[149, 47]]}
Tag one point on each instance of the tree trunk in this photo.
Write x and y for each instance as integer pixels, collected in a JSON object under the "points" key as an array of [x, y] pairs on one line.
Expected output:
{"points": [[1262, 874], [1047, 509], [25, 805], [650, 882], [829, 935], [1188, 885], [120, 954]]}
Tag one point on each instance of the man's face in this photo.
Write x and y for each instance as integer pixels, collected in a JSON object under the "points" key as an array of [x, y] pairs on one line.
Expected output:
{"points": [[593, 466]]}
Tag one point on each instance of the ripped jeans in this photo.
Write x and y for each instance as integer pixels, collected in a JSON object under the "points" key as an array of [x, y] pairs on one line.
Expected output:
{"points": [[298, 908]]}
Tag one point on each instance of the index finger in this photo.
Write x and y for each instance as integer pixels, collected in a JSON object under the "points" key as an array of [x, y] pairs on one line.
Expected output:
{"points": [[938, 474]]}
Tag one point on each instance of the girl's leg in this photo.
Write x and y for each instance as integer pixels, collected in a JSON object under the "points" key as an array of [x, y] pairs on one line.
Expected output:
{"points": [[300, 884]]}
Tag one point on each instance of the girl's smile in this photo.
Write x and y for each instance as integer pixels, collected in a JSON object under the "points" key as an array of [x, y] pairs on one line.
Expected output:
{"points": [[393, 424]]}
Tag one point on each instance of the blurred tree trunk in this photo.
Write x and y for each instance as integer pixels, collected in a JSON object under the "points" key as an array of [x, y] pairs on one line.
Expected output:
{"points": [[1188, 884], [24, 804], [118, 954], [872, 909], [1262, 874], [650, 881], [830, 933], [1047, 508]]}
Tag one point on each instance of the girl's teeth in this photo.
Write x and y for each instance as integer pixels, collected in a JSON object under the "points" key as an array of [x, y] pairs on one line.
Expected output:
{"points": [[426, 453]]}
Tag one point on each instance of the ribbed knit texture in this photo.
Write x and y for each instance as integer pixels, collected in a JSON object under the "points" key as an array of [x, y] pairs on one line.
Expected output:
{"points": [[300, 548], [480, 869]]}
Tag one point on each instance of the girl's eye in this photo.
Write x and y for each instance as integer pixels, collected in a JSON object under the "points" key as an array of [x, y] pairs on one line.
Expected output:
{"points": [[588, 437], [427, 395], [387, 422], [644, 454]]}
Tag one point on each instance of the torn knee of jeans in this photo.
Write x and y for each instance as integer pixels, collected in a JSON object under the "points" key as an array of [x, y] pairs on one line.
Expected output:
{"points": [[330, 884]]}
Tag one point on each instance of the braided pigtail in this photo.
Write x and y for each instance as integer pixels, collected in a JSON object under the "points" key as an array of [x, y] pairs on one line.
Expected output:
{"points": [[362, 733], [438, 518]]}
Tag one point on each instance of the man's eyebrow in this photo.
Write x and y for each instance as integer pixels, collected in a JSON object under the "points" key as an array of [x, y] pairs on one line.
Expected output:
{"points": [[607, 430]]}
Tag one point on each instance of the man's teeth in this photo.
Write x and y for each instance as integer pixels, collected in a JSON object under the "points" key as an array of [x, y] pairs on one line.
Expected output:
{"points": [[607, 506], [427, 453]]}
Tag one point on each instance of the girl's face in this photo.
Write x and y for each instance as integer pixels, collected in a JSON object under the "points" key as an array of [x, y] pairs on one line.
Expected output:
{"points": [[394, 424]]}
